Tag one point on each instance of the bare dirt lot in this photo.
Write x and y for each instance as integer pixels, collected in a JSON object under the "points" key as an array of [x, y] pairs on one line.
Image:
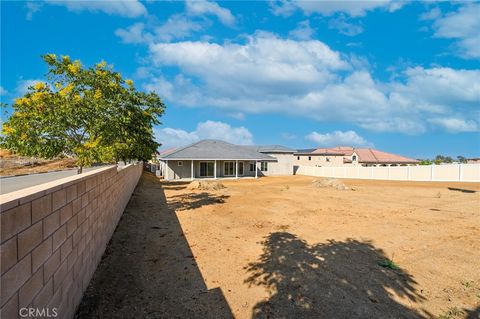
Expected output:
{"points": [[280, 247], [11, 164]]}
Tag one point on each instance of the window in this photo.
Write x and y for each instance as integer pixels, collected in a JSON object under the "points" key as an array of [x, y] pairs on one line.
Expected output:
{"points": [[264, 166], [180, 163], [298, 158], [206, 169], [229, 168], [327, 159], [309, 158], [354, 158], [252, 166]]}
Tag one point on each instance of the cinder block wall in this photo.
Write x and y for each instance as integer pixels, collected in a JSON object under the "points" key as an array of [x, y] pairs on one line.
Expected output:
{"points": [[54, 235]]}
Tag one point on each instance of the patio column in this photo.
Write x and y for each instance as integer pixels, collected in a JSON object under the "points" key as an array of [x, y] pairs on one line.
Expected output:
{"points": [[166, 170], [236, 169], [191, 170], [256, 173], [215, 169]]}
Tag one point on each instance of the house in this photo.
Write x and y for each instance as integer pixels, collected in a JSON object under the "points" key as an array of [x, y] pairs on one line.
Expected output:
{"points": [[318, 157], [219, 159], [474, 160], [350, 156]]}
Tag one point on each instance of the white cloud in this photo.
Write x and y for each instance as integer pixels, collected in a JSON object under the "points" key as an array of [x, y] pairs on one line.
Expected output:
{"points": [[23, 85], [171, 137], [133, 34], [3, 91], [124, 8], [32, 7], [328, 8], [268, 74], [203, 7], [178, 26], [337, 138], [455, 125], [344, 27], [461, 25], [303, 31]]}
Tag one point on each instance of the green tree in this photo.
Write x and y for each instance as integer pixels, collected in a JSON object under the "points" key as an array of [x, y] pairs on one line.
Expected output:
{"points": [[461, 159], [91, 114]]}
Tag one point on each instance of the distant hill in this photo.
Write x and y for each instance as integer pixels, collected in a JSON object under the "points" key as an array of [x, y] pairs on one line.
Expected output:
{"points": [[12, 164]]}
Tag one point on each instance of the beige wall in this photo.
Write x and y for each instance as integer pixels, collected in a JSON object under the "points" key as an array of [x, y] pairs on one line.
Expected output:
{"points": [[318, 160], [452, 172], [282, 166], [54, 235]]}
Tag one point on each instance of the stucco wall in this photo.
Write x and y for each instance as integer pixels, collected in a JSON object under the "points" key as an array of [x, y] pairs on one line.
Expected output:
{"points": [[282, 166], [53, 236], [318, 160], [452, 172]]}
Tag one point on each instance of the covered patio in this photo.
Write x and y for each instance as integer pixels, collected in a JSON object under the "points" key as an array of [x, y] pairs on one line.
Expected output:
{"points": [[211, 159]]}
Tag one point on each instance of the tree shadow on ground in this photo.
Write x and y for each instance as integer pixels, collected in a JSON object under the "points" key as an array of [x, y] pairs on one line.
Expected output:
{"points": [[337, 279], [148, 269], [195, 200], [473, 314]]}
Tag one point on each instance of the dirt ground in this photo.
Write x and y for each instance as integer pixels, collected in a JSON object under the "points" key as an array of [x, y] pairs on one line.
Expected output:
{"points": [[12, 164], [279, 247]]}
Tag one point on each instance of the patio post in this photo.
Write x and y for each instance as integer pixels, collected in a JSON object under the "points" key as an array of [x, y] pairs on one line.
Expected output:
{"points": [[236, 169], [191, 170], [215, 169], [166, 170], [256, 173]]}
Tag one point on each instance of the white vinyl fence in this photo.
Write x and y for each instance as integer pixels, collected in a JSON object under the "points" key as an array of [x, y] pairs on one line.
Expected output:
{"points": [[439, 173]]}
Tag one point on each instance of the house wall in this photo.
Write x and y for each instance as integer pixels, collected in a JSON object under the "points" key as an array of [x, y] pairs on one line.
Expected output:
{"points": [[282, 166], [318, 160], [53, 237]]}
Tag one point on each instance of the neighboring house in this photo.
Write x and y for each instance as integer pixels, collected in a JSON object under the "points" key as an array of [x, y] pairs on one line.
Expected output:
{"points": [[318, 157], [475, 160], [219, 159], [350, 156]]}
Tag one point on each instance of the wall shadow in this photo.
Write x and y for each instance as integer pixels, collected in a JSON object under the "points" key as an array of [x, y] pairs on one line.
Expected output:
{"points": [[148, 269], [337, 279], [195, 200]]}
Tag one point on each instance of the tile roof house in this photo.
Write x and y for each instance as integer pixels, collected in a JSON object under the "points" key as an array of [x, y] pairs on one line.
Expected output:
{"points": [[215, 158], [348, 155]]}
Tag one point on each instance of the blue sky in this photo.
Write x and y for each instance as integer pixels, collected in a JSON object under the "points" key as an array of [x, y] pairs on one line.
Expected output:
{"points": [[402, 76]]}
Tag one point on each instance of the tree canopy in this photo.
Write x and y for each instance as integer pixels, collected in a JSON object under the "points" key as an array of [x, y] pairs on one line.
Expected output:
{"points": [[91, 114]]}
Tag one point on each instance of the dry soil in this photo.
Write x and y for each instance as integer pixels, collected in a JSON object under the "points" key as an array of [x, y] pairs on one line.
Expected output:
{"points": [[279, 247]]}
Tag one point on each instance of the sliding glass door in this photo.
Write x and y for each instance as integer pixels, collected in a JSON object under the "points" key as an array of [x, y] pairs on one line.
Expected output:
{"points": [[229, 168], [206, 169]]}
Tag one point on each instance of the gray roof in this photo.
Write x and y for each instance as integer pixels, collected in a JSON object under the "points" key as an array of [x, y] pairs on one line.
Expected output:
{"points": [[272, 149], [216, 150]]}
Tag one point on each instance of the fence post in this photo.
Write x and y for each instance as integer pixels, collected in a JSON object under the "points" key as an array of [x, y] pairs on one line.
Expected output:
{"points": [[460, 172], [432, 172], [323, 171], [408, 172], [358, 171], [388, 170], [371, 172]]}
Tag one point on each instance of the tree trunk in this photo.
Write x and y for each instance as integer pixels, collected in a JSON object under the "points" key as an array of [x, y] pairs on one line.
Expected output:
{"points": [[80, 170]]}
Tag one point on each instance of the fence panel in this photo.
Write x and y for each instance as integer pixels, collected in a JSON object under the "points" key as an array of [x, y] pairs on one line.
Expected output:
{"points": [[450, 172]]}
